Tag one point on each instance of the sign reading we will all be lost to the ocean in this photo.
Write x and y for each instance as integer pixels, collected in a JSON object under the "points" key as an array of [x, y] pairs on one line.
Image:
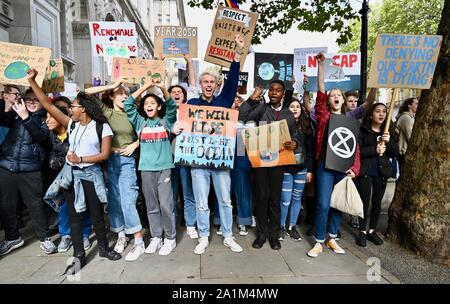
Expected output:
{"points": [[404, 61]]}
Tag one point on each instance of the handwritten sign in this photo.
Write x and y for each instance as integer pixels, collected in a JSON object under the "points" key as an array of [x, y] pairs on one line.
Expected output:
{"points": [[114, 49], [104, 32], [300, 56], [404, 61], [54, 77], [209, 137], [269, 67], [242, 83], [17, 59], [222, 45], [137, 71], [174, 41], [264, 145], [341, 71]]}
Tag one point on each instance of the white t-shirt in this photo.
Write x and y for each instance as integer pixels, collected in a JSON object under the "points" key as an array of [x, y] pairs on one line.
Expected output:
{"points": [[84, 142]]}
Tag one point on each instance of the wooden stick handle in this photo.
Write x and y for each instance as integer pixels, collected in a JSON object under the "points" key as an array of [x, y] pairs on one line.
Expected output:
{"points": [[391, 110]]}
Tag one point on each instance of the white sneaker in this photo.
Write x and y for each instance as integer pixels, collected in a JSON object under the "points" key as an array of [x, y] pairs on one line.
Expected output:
{"points": [[253, 222], [192, 232], [167, 247], [242, 230], [316, 250], [155, 244], [202, 244], [219, 231], [231, 243], [333, 245], [121, 244], [135, 252]]}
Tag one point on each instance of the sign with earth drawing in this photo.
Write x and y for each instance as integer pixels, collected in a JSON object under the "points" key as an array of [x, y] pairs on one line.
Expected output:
{"points": [[341, 142], [17, 59], [269, 67], [54, 77], [137, 71]]}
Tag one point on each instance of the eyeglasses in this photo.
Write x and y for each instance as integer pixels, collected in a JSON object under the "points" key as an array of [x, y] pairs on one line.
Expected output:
{"points": [[17, 94], [31, 100], [76, 106]]}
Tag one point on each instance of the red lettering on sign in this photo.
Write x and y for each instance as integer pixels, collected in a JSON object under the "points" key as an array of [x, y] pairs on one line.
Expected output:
{"points": [[312, 62], [96, 26], [98, 48]]}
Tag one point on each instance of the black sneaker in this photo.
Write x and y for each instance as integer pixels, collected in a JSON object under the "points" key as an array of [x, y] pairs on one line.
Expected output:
{"points": [[293, 233], [361, 239], [338, 237], [7, 246], [354, 222], [282, 233], [374, 238]]}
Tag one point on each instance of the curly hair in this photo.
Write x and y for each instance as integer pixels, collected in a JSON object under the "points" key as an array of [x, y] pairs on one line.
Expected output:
{"points": [[92, 108], [161, 112]]}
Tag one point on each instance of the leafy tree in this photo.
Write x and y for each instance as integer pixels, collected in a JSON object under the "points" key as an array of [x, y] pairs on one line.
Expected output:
{"points": [[307, 15]]}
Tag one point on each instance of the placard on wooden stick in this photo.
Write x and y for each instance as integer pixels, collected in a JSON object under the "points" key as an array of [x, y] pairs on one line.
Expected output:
{"points": [[174, 41]]}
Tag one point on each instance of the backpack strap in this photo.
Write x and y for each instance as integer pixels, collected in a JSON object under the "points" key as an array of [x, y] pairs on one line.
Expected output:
{"points": [[99, 129]]}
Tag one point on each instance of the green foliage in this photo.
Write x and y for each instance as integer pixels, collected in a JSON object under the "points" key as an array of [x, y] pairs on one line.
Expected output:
{"points": [[399, 17], [307, 15]]}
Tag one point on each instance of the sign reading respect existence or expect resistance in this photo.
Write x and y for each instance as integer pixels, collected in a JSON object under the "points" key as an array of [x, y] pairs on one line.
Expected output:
{"points": [[104, 32], [404, 61], [174, 41], [17, 59], [208, 139], [222, 45]]}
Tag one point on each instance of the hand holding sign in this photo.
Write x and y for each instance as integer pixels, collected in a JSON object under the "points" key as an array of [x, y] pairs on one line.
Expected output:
{"points": [[32, 74]]}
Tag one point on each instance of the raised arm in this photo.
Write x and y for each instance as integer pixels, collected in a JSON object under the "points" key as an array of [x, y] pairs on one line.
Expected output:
{"points": [[370, 98], [46, 104], [190, 70], [101, 89], [320, 72], [230, 87]]}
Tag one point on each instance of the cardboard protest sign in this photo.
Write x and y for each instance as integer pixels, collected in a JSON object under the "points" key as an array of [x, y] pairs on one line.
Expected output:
{"points": [[114, 49], [242, 83], [404, 61], [229, 22], [269, 67], [300, 56], [341, 142], [264, 145], [342, 71], [174, 41], [209, 137], [104, 32], [137, 71], [17, 59], [54, 77]]}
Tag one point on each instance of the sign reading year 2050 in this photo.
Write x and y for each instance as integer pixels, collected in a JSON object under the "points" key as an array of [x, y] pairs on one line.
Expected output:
{"points": [[174, 41]]}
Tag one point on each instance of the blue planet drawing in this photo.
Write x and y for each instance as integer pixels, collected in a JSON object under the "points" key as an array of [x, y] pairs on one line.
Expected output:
{"points": [[266, 71], [16, 70], [268, 155]]}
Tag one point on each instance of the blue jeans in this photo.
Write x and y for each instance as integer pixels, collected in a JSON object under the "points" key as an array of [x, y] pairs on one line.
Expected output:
{"points": [[64, 226], [122, 194], [242, 187], [222, 184], [190, 210], [326, 179], [291, 195]]}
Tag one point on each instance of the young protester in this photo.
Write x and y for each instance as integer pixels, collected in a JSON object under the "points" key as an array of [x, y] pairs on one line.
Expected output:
{"points": [[122, 179], [327, 105], [81, 179], [22, 156], [268, 181], [376, 148], [153, 121], [11, 95], [296, 176], [221, 178], [405, 123]]}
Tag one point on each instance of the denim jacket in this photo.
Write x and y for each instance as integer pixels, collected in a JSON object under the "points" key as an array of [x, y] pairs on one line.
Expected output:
{"points": [[53, 196]]}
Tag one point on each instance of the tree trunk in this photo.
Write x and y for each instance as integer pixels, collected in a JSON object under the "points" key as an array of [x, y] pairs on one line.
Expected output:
{"points": [[419, 216]]}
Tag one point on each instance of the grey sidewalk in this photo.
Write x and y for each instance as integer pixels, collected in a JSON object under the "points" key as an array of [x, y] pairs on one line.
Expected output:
{"points": [[217, 265]]}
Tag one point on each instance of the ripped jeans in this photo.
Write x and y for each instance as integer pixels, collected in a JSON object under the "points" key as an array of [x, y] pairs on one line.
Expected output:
{"points": [[201, 179], [291, 195]]}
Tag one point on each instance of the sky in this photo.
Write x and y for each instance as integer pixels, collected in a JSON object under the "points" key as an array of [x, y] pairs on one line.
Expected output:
{"points": [[277, 43]]}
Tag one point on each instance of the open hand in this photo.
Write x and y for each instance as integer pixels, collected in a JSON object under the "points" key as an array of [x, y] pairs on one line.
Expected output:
{"points": [[129, 150], [21, 110]]}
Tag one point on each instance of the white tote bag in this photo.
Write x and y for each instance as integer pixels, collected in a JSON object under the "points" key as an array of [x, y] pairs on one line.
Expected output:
{"points": [[345, 198]]}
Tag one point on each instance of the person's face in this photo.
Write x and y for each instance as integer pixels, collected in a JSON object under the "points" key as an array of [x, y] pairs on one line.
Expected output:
{"points": [[379, 114], [336, 100], [295, 108], [32, 103], [207, 84], [151, 107], [413, 107], [352, 103], [12, 97], [276, 93], [177, 95], [77, 110], [52, 124], [119, 97], [63, 104]]}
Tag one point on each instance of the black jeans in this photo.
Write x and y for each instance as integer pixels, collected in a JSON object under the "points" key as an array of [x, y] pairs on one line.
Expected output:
{"points": [[371, 186], [29, 185], [268, 183], [95, 209]]}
